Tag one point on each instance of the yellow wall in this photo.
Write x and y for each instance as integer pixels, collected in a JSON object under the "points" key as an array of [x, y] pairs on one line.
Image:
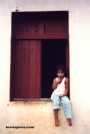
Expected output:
{"points": [[79, 32]]}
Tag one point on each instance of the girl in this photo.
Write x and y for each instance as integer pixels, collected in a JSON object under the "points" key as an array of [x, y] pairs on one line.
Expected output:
{"points": [[59, 96]]}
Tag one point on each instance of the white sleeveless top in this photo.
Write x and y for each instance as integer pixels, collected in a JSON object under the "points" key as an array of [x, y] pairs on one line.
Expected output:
{"points": [[60, 88]]}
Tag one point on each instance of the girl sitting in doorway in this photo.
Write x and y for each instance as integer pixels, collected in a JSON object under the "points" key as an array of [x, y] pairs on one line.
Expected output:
{"points": [[59, 96]]}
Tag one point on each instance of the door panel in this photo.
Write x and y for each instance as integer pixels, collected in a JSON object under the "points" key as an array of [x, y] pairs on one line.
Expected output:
{"points": [[26, 67]]}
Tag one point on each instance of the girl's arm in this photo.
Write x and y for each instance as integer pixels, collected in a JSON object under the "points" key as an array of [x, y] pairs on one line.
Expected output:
{"points": [[66, 87], [55, 83]]}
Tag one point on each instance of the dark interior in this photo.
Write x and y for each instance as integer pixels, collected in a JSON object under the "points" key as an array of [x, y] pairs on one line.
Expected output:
{"points": [[53, 54]]}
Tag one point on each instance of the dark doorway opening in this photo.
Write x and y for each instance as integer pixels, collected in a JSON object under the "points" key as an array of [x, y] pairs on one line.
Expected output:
{"points": [[54, 53]]}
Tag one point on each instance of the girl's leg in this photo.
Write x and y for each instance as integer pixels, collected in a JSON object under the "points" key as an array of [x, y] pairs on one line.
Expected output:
{"points": [[56, 117], [67, 109], [69, 120], [56, 106]]}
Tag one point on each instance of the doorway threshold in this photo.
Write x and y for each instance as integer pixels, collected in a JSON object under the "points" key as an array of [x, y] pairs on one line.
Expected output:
{"points": [[31, 99], [27, 101]]}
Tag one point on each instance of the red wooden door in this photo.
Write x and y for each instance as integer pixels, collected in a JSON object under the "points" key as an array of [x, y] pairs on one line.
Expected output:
{"points": [[26, 77]]}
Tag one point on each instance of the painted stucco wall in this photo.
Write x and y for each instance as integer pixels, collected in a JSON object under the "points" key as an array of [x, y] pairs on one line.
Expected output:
{"points": [[79, 41]]}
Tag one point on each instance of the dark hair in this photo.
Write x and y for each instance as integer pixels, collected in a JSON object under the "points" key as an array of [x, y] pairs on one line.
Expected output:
{"points": [[60, 68]]}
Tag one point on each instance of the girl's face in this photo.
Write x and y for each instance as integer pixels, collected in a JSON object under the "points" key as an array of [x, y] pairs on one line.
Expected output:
{"points": [[60, 74]]}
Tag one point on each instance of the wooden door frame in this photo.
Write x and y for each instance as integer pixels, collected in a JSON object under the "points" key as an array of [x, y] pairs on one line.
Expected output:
{"points": [[56, 14]]}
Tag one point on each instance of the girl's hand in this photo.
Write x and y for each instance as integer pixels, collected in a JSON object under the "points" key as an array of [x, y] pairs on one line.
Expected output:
{"points": [[56, 81]]}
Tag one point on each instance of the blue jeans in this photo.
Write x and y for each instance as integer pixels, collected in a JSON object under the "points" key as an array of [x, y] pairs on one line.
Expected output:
{"points": [[63, 102]]}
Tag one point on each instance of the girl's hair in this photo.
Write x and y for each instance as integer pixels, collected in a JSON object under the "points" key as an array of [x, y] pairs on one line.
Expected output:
{"points": [[60, 68]]}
